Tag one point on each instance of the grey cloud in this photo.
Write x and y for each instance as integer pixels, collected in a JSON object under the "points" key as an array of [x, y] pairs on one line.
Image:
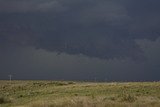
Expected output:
{"points": [[80, 39], [42, 64], [108, 12], [30, 6], [151, 49], [104, 29]]}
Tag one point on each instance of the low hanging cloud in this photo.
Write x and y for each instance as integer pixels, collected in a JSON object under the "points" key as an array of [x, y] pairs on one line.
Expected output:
{"points": [[103, 29], [30, 6], [41, 64]]}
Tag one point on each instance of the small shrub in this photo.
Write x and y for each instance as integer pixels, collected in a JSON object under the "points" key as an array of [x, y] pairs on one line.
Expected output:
{"points": [[60, 83], [75, 94], [112, 98], [20, 96], [71, 82], [128, 98], [4, 100]]}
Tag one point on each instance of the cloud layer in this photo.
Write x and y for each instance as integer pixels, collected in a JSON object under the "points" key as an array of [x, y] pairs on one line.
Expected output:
{"points": [[80, 39], [104, 29]]}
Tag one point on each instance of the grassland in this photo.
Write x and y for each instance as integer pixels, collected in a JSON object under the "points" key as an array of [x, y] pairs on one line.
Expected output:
{"points": [[79, 94]]}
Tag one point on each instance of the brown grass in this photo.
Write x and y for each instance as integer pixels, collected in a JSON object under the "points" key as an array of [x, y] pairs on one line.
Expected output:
{"points": [[76, 94]]}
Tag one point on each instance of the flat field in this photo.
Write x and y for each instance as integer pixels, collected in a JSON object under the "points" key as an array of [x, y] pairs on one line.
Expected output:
{"points": [[79, 94]]}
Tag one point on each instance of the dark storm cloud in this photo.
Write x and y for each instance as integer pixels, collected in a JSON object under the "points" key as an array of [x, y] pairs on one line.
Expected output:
{"points": [[30, 63], [104, 29], [30, 6], [103, 39]]}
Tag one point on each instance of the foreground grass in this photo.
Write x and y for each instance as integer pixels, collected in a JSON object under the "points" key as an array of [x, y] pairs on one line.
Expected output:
{"points": [[71, 94]]}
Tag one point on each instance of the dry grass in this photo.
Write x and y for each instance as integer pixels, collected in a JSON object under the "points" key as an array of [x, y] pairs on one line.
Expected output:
{"points": [[88, 102], [71, 94]]}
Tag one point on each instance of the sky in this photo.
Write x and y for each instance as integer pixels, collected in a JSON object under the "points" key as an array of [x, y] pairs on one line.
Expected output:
{"points": [[84, 40]]}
